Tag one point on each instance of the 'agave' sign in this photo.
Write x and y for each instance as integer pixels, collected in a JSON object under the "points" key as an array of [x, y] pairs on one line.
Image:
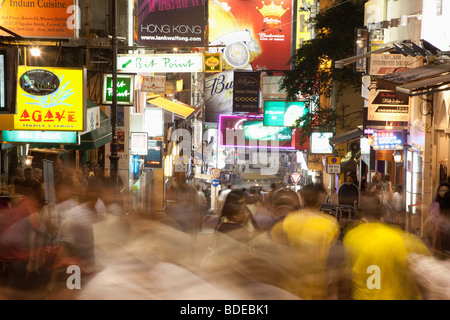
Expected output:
{"points": [[50, 99]]}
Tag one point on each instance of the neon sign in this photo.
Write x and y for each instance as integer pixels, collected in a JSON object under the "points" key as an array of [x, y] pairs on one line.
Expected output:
{"points": [[388, 140]]}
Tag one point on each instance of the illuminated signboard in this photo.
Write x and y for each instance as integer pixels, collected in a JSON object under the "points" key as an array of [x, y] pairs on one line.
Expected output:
{"points": [[50, 99], [282, 113], [125, 89], [161, 63], [40, 19], [139, 143], [320, 143], [63, 137], [3, 100], [154, 121], [384, 140], [154, 158], [255, 130], [163, 23], [250, 132]]}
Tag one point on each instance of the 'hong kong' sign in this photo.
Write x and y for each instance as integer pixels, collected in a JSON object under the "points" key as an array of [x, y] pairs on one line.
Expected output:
{"points": [[50, 99]]}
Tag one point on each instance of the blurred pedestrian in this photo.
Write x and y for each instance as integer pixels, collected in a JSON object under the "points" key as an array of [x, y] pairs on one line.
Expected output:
{"points": [[377, 256], [348, 192], [437, 229], [184, 211], [38, 175], [311, 234], [236, 219], [76, 242], [435, 204]]}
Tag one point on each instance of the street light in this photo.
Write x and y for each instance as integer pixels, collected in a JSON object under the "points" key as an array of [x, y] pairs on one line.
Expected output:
{"points": [[397, 157]]}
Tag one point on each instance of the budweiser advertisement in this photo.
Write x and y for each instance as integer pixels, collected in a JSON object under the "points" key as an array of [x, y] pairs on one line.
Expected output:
{"points": [[256, 34]]}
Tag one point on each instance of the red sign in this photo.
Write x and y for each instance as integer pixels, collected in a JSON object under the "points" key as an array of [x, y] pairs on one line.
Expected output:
{"points": [[215, 173], [295, 177]]}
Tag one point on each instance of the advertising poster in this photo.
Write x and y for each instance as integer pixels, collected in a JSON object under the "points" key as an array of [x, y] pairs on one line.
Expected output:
{"points": [[167, 23], [218, 95], [39, 18], [246, 87], [256, 34], [50, 99]]}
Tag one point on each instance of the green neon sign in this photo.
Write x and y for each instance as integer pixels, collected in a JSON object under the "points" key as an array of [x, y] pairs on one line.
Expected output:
{"points": [[125, 89], [62, 137], [282, 113]]}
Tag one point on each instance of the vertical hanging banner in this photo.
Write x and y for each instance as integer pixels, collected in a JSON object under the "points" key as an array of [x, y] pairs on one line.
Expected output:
{"points": [[256, 34], [218, 95], [168, 22], [246, 92], [40, 19], [50, 99]]}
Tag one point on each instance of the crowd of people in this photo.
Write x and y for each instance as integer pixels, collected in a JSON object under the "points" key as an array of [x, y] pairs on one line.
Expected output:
{"points": [[39, 238], [271, 245]]}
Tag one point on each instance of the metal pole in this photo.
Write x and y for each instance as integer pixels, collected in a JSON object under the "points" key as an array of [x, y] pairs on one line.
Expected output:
{"points": [[114, 156]]}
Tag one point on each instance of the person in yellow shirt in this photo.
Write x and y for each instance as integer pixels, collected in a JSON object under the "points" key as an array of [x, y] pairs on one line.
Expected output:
{"points": [[309, 234], [377, 257]]}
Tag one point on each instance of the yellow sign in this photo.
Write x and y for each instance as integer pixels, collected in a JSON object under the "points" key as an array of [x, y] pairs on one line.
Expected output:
{"points": [[50, 99], [334, 160]]}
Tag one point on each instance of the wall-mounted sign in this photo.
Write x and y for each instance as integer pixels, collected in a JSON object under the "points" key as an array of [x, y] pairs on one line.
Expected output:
{"points": [[161, 63], [369, 125], [320, 143], [154, 158], [92, 119], [283, 114], [154, 121], [212, 62], [381, 64], [170, 23], [218, 95], [125, 89], [155, 84], [246, 92], [3, 82], [388, 140], [62, 137], [387, 105], [40, 19], [139, 143], [50, 99]]}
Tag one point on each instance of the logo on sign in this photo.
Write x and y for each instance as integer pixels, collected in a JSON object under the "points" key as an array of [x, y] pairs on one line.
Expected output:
{"points": [[39, 82]]}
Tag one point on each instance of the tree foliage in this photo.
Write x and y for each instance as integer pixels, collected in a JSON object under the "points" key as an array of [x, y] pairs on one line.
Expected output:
{"points": [[314, 73]]}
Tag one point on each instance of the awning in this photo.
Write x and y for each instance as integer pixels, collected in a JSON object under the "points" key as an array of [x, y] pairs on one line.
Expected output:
{"points": [[339, 64], [179, 108], [418, 81], [348, 136]]}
